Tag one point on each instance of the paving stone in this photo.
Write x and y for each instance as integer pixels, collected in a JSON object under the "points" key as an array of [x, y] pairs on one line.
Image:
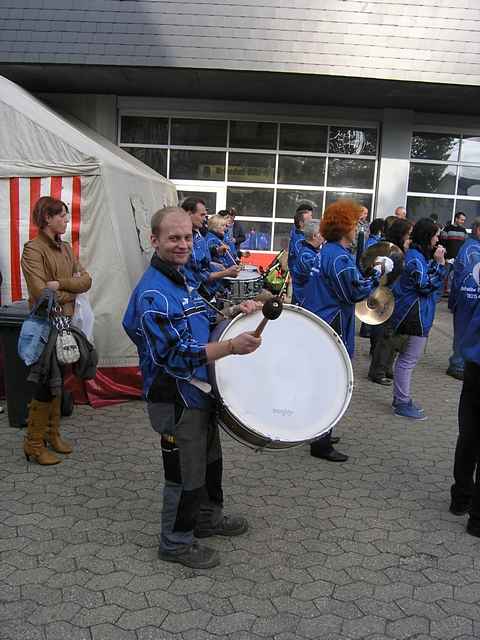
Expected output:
{"points": [[111, 632], [408, 627], [320, 627], [109, 581], [179, 622], [390, 593], [353, 591], [468, 593], [63, 612], [20, 631], [230, 623], [433, 592], [312, 590], [208, 602], [152, 616], [100, 615], [452, 627], [362, 627], [271, 626], [83, 597], [127, 599], [28, 576], [387, 610], [293, 605], [141, 584]]}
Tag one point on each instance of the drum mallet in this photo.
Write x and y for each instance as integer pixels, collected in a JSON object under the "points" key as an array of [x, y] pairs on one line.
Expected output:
{"points": [[271, 311]]}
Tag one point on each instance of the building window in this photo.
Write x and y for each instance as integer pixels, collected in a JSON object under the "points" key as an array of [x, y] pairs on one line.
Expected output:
{"points": [[264, 169], [444, 175]]}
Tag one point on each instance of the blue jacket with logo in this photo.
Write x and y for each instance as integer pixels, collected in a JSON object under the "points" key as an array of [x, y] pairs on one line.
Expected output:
{"points": [[334, 286], [372, 240], [416, 292], [197, 270], [170, 326], [464, 291], [301, 270], [296, 237]]}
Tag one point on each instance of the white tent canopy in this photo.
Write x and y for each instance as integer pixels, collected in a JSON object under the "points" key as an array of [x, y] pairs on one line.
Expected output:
{"points": [[111, 196]]}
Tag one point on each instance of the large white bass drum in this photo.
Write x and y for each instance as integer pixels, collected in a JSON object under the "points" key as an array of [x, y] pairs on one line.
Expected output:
{"points": [[294, 388]]}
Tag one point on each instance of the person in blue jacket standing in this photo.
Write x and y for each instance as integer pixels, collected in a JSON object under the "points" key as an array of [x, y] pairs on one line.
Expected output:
{"points": [[376, 232], [334, 286], [416, 294], [303, 213], [309, 248], [170, 325], [465, 492], [463, 296]]}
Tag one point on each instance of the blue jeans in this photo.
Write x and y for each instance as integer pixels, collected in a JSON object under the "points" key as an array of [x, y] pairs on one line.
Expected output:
{"points": [[456, 361]]}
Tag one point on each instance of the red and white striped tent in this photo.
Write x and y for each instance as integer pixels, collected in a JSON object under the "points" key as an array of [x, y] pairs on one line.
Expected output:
{"points": [[110, 195]]}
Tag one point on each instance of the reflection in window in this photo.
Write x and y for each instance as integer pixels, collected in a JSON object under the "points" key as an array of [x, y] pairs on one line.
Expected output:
{"points": [[435, 146], [365, 199], [253, 135], [197, 165], [155, 158], [258, 235], [303, 137], [249, 201], [353, 141], [301, 170], [142, 130], [432, 178], [281, 235], [470, 149], [418, 207], [251, 167], [471, 208], [289, 200], [469, 181], [199, 133], [346, 172]]}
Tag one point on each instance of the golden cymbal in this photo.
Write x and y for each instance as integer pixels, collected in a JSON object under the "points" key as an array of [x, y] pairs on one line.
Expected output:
{"points": [[377, 308], [384, 248]]}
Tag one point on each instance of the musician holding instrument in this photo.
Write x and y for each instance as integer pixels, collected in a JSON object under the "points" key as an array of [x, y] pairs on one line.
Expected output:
{"points": [[416, 292], [217, 244], [199, 270], [335, 285], [170, 326], [386, 343]]}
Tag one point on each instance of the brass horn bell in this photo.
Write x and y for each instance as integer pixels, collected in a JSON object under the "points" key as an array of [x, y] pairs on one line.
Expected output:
{"points": [[377, 308]]}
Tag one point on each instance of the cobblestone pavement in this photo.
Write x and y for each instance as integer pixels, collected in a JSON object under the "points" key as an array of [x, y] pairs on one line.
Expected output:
{"points": [[365, 549]]}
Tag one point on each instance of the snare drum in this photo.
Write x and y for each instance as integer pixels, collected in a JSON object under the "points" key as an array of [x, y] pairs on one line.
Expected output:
{"points": [[246, 285], [291, 390]]}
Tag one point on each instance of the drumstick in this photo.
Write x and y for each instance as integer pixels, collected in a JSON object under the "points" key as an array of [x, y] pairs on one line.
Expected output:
{"points": [[230, 256], [271, 311]]}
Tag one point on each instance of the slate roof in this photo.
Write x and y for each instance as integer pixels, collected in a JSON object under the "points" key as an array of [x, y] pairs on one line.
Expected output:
{"points": [[427, 41]]}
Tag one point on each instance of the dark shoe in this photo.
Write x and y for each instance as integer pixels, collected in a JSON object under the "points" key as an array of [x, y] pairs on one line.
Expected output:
{"points": [[196, 557], [333, 455], [389, 375], [473, 528], [334, 439], [459, 509], [228, 526], [455, 373], [386, 382]]}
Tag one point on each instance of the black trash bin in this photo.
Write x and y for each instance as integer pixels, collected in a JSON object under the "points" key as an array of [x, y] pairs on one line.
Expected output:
{"points": [[18, 391]]}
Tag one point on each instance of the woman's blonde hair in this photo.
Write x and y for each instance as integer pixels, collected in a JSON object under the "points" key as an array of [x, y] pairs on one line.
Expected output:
{"points": [[216, 223]]}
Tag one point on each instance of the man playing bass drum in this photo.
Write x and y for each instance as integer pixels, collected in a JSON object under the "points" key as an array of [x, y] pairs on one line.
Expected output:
{"points": [[170, 325]]}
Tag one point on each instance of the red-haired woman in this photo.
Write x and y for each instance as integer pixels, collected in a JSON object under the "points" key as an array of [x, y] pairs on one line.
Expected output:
{"points": [[48, 262], [335, 285]]}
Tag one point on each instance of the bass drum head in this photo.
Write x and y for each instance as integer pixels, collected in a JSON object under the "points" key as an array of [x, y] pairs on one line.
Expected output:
{"points": [[293, 389]]}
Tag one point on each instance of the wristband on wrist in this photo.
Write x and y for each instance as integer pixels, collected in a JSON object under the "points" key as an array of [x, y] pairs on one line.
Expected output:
{"points": [[231, 348]]}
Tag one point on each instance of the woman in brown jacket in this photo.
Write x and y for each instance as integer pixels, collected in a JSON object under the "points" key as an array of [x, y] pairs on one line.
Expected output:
{"points": [[47, 262]]}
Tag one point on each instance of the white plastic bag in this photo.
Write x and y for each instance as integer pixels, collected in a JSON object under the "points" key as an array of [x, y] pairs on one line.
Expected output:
{"points": [[83, 317]]}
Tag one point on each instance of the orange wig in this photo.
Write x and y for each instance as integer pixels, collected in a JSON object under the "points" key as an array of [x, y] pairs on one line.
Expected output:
{"points": [[339, 219]]}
